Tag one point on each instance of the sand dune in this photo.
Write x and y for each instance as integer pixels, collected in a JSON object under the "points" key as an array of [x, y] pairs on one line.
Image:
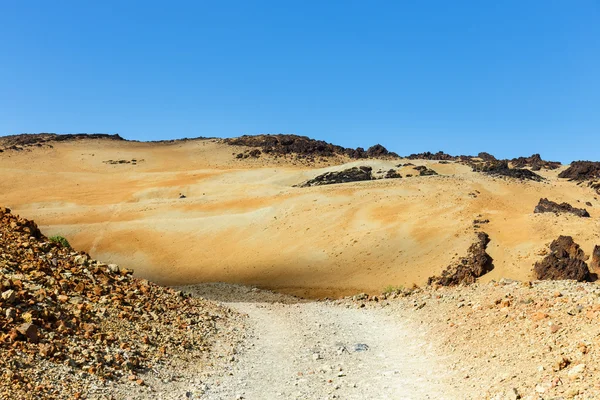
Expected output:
{"points": [[243, 221]]}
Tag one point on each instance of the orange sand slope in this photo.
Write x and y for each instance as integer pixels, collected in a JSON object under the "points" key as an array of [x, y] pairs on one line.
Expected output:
{"points": [[242, 221]]}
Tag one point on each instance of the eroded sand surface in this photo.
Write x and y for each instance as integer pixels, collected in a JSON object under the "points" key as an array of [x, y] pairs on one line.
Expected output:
{"points": [[242, 221]]}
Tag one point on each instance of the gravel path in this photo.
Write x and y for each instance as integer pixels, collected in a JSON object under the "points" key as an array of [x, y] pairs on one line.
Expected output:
{"points": [[325, 351]]}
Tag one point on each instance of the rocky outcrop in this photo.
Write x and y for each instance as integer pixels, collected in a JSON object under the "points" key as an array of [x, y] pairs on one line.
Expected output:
{"points": [[304, 147], [66, 315], [535, 162], [25, 140], [133, 161], [378, 151], [548, 206], [501, 168], [469, 268], [595, 263], [440, 155], [581, 171], [565, 261], [254, 153], [354, 174], [424, 171], [392, 174], [486, 156]]}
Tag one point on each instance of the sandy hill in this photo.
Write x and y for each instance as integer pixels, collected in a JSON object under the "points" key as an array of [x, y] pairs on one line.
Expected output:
{"points": [[184, 212]]}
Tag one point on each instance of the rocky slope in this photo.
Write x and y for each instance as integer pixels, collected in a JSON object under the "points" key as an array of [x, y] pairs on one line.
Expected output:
{"points": [[71, 325]]}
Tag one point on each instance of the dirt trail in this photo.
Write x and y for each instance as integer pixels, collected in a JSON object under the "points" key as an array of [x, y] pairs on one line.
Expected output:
{"points": [[319, 350]]}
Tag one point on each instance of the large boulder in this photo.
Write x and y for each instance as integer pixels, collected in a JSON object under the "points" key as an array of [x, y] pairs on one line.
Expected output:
{"points": [[469, 268], [354, 174], [548, 206], [565, 261]]}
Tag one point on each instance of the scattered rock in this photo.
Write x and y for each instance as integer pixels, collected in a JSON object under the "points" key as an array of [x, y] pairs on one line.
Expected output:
{"points": [[361, 347], [30, 331], [562, 363], [548, 206], [69, 316], [354, 174], [565, 261], [8, 296], [576, 372]]}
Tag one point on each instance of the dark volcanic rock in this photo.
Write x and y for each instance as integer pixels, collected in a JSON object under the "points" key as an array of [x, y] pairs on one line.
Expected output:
{"points": [[18, 142], [545, 206], [392, 174], [501, 168], [582, 171], [490, 166], [535, 162], [486, 156], [595, 263], [254, 153], [424, 171], [469, 268], [565, 261], [440, 155], [355, 174], [379, 151], [359, 152], [303, 146]]}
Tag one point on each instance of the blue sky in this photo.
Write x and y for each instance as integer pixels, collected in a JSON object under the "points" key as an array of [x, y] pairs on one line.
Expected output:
{"points": [[507, 77]]}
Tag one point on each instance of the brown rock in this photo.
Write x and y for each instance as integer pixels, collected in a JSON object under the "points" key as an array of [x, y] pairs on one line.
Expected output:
{"points": [[561, 364], [565, 261], [354, 174], [595, 263], [548, 206], [469, 268], [30, 331], [581, 170], [8, 296], [538, 316]]}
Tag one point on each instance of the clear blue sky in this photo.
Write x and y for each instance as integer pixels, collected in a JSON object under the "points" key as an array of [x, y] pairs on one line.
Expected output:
{"points": [[507, 77]]}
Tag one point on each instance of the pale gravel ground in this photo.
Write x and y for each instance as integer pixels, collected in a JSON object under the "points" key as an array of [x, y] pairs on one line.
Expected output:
{"points": [[279, 360]]}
